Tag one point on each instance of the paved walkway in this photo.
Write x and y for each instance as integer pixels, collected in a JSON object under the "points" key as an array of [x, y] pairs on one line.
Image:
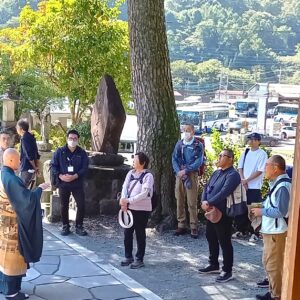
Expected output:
{"points": [[68, 271]]}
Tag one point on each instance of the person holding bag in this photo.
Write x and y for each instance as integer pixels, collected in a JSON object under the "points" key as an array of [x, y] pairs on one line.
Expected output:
{"points": [[136, 196], [221, 184]]}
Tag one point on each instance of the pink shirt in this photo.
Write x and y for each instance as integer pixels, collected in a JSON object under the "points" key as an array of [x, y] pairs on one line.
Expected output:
{"points": [[140, 196]]}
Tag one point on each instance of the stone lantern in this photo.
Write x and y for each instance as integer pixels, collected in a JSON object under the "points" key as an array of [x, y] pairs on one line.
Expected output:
{"points": [[8, 113]]}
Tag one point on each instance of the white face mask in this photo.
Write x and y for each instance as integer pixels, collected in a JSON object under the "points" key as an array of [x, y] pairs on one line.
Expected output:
{"points": [[187, 136], [72, 144]]}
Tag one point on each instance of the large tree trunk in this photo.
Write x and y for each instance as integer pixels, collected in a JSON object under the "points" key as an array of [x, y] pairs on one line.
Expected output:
{"points": [[154, 98]]}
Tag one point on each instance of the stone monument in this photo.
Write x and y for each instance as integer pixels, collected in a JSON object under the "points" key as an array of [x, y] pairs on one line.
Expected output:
{"points": [[108, 117], [44, 145], [8, 115]]}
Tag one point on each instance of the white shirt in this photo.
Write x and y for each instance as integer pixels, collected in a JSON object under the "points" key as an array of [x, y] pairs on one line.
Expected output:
{"points": [[255, 161]]}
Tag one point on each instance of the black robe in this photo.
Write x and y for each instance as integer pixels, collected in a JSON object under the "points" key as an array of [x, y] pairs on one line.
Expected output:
{"points": [[27, 206]]}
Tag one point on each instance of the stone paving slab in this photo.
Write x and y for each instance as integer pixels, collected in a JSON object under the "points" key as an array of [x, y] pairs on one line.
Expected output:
{"points": [[68, 271]]}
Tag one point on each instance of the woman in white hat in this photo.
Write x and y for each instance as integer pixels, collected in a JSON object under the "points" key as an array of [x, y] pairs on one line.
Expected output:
{"points": [[136, 196]]}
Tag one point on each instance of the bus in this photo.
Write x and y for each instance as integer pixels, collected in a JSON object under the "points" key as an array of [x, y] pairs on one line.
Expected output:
{"points": [[183, 103], [128, 139], [205, 116], [286, 112], [246, 108]]}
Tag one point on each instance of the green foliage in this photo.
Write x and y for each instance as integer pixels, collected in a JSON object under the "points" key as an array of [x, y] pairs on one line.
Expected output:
{"points": [[70, 45], [37, 136], [84, 129], [252, 36], [57, 137], [12, 8]]}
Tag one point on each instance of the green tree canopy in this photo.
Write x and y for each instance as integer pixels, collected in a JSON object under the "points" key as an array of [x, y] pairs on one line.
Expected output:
{"points": [[73, 44]]}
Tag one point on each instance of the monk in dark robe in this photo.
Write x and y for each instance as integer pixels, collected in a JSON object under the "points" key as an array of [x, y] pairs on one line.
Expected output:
{"points": [[21, 232]]}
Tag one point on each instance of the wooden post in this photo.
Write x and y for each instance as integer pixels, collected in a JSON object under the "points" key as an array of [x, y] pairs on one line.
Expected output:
{"points": [[291, 269]]}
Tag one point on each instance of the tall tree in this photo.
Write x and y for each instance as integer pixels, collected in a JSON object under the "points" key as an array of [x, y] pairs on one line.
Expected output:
{"points": [[153, 97]]}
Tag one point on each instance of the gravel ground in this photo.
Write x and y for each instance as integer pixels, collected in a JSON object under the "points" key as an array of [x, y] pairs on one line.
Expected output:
{"points": [[172, 262]]}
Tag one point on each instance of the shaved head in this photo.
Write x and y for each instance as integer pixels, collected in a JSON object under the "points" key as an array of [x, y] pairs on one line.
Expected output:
{"points": [[11, 158]]}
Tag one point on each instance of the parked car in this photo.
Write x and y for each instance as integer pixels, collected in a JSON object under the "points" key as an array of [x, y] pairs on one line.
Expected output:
{"points": [[237, 125], [266, 140], [288, 132], [221, 125]]}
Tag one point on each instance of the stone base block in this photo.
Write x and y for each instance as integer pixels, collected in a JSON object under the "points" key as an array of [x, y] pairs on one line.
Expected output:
{"points": [[54, 215], [109, 207]]}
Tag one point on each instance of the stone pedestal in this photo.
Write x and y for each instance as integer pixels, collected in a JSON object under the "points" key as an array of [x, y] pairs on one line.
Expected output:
{"points": [[54, 214], [43, 146], [101, 186], [8, 113], [45, 201]]}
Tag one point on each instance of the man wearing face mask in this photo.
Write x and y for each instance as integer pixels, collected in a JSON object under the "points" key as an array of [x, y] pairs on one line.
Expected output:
{"points": [[186, 159], [69, 164]]}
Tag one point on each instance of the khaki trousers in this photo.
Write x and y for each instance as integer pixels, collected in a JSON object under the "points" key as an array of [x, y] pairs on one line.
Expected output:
{"points": [[273, 256], [191, 195]]}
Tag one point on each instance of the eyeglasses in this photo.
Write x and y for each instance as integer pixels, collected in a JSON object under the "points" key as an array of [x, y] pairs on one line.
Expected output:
{"points": [[221, 155], [72, 139]]}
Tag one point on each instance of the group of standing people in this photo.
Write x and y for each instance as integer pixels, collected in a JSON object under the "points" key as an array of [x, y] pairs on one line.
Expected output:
{"points": [[21, 233], [267, 218], [20, 208]]}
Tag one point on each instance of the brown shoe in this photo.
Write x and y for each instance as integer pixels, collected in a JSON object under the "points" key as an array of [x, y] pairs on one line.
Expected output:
{"points": [[180, 231], [194, 233]]}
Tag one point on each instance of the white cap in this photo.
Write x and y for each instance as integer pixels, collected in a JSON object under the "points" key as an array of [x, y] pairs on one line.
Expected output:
{"points": [[125, 218]]}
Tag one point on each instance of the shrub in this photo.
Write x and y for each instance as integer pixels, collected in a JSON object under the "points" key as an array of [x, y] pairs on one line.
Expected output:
{"points": [[84, 129]]}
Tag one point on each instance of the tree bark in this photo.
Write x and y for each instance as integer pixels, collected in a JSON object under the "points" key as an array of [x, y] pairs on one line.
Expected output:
{"points": [[154, 99]]}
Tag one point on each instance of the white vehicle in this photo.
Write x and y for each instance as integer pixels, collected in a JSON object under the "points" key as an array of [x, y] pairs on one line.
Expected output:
{"points": [[204, 115], [237, 125], [286, 112], [288, 132], [246, 108], [128, 139]]}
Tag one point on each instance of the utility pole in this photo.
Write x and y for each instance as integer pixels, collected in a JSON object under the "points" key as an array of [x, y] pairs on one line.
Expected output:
{"points": [[279, 75], [226, 97], [220, 86]]}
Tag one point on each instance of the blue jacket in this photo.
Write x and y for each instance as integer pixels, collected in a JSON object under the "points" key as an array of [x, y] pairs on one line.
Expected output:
{"points": [[63, 158], [188, 157], [221, 184], [29, 151]]}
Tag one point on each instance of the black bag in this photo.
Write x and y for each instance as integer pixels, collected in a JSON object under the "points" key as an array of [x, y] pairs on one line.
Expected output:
{"points": [[54, 179], [236, 202]]}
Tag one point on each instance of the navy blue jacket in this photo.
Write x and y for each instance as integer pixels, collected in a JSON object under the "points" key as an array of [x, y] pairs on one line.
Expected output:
{"points": [[29, 151], [63, 158], [220, 185]]}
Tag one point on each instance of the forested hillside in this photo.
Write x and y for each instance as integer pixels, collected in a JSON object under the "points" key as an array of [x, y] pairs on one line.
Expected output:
{"points": [[11, 8], [213, 42]]}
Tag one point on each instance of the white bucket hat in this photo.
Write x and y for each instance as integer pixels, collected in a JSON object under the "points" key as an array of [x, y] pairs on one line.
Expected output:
{"points": [[125, 218]]}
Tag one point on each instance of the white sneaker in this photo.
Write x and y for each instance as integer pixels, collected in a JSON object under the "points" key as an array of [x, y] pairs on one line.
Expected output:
{"points": [[253, 238]]}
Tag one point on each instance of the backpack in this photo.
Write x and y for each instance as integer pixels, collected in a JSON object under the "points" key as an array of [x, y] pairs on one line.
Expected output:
{"points": [[54, 179], [286, 219], [154, 198], [197, 140]]}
